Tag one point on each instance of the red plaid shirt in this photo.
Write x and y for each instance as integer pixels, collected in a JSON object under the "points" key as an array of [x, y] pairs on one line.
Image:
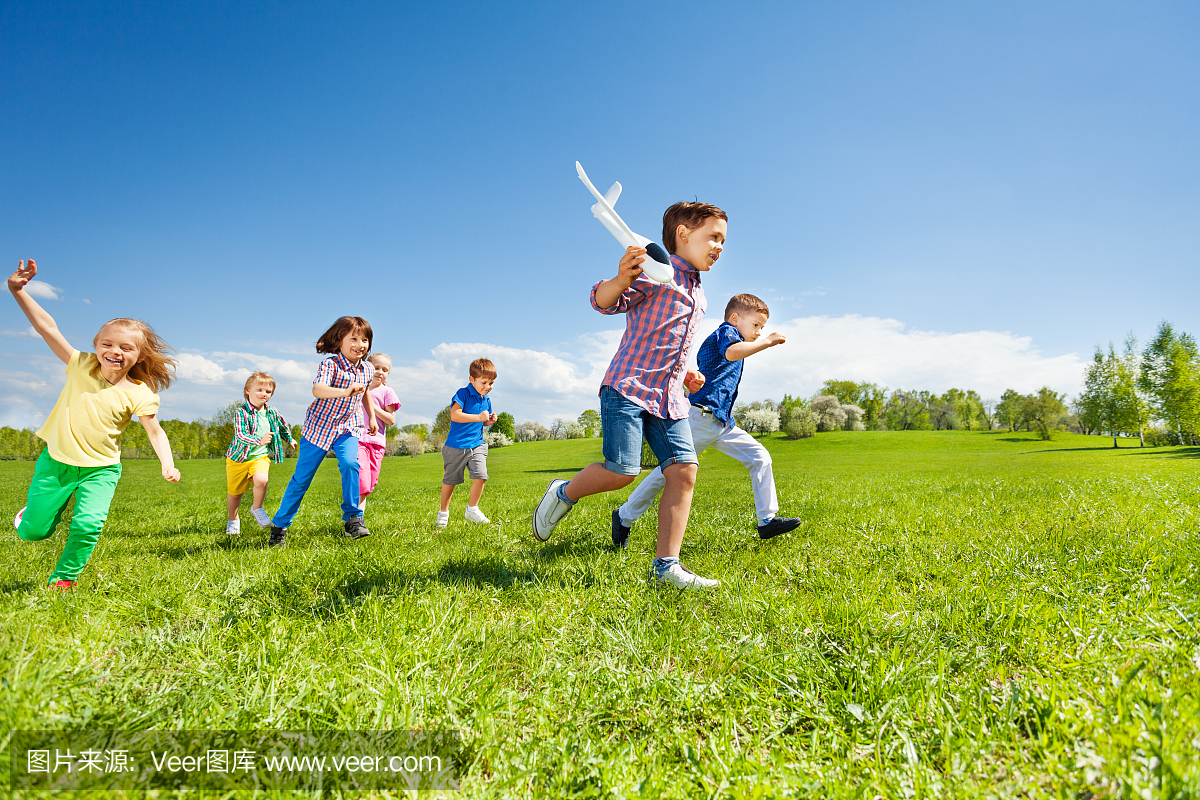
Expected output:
{"points": [[330, 417], [660, 322]]}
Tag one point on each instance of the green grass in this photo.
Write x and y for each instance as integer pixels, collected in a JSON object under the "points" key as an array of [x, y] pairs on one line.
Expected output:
{"points": [[962, 614]]}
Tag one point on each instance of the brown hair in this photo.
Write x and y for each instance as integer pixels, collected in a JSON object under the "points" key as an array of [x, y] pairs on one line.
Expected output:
{"points": [[331, 340], [746, 304], [155, 367], [483, 368], [691, 216], [258, 377]]}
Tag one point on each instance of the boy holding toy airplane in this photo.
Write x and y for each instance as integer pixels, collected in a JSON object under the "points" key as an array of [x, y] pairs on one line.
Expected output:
{"points": [[642, 391]]}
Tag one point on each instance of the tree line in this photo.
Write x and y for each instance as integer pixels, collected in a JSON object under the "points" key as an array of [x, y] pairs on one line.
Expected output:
{"points": [[1152, 393]]}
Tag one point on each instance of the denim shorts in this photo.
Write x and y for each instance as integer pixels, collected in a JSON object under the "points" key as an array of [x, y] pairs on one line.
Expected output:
{"points": [[625, 423]]}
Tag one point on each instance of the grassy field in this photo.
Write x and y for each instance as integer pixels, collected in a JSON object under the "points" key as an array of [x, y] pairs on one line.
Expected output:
{"points": [[962, 614]]}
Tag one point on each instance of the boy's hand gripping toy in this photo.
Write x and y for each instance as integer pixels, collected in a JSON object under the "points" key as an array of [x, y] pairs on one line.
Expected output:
{"points": [[657, 264]]}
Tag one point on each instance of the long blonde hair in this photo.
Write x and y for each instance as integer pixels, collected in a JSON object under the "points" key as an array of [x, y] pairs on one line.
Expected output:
{"points": [[155, 366]]}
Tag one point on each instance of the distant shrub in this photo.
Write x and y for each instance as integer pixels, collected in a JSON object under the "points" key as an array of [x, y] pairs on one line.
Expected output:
{"points": [[1160, 437], [854, 418], [532, 432], [761, 420], [566, 429], [799, 422], [496, 439]]}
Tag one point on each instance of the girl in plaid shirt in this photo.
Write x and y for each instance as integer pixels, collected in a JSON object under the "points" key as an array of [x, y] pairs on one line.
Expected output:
{"points": [[334, 422]]}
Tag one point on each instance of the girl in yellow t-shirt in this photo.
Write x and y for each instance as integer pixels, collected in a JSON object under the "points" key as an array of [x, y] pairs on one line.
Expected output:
{"points": [[82, 434]]}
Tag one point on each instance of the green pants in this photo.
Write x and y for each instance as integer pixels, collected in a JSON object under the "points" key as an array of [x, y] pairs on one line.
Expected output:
{"points": [[53, 484]]}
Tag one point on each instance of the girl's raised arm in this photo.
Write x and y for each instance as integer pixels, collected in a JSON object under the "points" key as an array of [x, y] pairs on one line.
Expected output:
{"points": [[42, 322]]}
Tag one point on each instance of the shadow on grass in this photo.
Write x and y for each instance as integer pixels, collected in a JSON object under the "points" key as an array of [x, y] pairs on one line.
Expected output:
{"points": [[552, 471], [486, 570], [13, 587], [1174, 452]]}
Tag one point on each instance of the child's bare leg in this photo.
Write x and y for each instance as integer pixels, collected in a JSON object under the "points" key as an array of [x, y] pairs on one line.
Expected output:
{"points": [[595, 479], [674, 508], [476, 492], [447, 492], [260, 490], [233, 501]]}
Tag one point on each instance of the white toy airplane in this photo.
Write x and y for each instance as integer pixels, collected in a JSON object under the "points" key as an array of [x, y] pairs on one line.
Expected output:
{"points": [[657, 264]]}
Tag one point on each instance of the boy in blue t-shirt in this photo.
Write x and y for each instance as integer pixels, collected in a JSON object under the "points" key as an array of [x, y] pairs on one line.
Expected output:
{"points": [[465, 449], [720, 361]]}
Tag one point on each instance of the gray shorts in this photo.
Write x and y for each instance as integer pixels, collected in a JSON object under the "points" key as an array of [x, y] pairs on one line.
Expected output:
{"points": [[456, 459]]}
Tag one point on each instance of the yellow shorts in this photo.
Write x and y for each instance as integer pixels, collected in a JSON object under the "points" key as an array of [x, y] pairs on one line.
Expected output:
{"points": [[240, 477]]}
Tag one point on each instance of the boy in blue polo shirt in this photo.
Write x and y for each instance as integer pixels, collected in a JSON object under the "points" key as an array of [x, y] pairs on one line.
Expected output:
{"points": [[711, 418], [465, 449]]}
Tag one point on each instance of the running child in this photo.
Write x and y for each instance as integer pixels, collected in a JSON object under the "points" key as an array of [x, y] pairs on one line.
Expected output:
{"points": [[470, 410], [641, 395], [104, 390], [334, 422], [371, 448], [721, 359], [259, 432]]}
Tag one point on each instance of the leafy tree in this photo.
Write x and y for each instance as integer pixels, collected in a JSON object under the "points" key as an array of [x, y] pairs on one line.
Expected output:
{"points": [[906, 411], [441, 423], [1170, 377], [1045, 411], [761, 420], [872, 399], [846, 392], [1010, 411], [987, 412], [1110, 400], [505, 424], [590, 422]]}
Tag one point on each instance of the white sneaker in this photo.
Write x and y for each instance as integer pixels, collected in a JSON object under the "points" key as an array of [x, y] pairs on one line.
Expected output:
{"points": [[261, 517], [681, 577], [549, 512], [17, 518], [233, 527], [443, 519], [475, 515]]}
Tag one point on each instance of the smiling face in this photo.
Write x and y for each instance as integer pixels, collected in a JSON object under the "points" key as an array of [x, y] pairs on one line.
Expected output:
{"points": [[750, 325], [701, 247], [260, 393], [355, 345], [483, 384], [118, 348], [383, 367]]}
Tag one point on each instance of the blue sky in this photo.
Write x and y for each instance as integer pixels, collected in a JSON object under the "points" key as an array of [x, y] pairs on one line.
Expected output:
{"points": [[926, 194]]}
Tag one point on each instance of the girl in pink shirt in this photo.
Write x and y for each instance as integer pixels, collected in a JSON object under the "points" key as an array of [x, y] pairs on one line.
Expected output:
{"points": [[371, 447]]}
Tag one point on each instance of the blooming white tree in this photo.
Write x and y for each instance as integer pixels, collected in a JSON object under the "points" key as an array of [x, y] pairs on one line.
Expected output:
{"points": [[830, 416], [761, 420]]}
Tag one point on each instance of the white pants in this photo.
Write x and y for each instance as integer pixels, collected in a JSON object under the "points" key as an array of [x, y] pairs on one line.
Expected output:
{"points": [[708, 431]]}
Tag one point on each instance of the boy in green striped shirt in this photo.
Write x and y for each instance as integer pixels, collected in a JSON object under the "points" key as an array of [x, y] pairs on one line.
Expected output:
{"points": [[259, 432]]}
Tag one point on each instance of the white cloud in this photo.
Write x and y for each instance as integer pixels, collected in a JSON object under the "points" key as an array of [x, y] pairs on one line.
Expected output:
{"points": [[536, 384], [887, 352], [43, 290], [26, 333]]}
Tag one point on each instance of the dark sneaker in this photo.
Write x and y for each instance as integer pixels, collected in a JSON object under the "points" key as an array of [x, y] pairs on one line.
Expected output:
{"points": [[620, 531], [777, 526], [277, 537], [356, 529]]}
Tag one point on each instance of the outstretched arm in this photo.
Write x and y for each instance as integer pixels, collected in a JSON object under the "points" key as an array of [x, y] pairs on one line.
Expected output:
{"points": [[41, 321], [162, 447], [740, 350]]}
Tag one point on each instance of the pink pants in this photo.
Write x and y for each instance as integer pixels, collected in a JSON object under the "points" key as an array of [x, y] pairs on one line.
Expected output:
{"points": [[370, 457]]}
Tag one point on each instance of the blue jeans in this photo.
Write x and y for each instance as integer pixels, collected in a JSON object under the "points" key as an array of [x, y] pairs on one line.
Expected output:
{"points": [[625, 423], [345, 447]]}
